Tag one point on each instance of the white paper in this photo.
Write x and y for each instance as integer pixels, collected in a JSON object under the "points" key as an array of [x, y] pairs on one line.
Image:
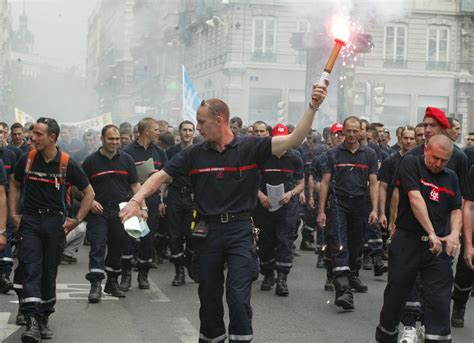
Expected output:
{"points": [[132, 225], [144, 170], [275, 193]]}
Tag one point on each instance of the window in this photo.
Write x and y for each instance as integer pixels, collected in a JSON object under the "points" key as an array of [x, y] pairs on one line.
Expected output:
{"points": [[438, 54], [264, 37], [263, 104], [395, 46]]}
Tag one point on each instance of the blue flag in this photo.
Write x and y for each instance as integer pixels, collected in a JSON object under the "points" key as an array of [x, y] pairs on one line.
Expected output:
{"points": [[191, 100]]}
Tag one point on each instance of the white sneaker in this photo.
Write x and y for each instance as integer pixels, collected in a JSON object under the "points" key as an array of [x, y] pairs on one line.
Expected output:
{"points": [[409, 335], [421, 333]]}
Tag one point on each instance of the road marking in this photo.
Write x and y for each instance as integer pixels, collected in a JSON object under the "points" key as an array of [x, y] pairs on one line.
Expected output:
{"points": [[187, 332], [75, 291], [6, 329], [155, 293]]}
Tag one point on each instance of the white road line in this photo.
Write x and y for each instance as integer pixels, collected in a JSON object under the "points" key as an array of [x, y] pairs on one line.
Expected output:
{"points": [[186, 331], [155, 293], [6, 329]]}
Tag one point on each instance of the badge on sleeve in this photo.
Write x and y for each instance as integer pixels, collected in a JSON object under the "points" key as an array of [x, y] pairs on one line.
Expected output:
{"points": [[434, 194]]}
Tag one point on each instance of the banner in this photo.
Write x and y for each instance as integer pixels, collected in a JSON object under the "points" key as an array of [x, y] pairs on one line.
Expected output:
{"points": [[96, 123], [191, 100], [23, 118]]}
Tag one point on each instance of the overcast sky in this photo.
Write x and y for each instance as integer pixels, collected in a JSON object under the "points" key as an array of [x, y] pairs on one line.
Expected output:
{"points": [[60, 28]]}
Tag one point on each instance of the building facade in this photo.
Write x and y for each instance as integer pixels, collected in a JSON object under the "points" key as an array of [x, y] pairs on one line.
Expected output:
{"points": [[5, 44], [424, 58]]}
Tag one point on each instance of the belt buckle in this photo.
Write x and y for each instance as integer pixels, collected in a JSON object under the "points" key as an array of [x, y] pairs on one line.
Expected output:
{"points": [[424, 238], [41, 211], [224, 218], [183, 189]]}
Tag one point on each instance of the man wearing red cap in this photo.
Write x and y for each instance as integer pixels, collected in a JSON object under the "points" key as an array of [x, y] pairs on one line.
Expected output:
{"points": [[277, 220]]}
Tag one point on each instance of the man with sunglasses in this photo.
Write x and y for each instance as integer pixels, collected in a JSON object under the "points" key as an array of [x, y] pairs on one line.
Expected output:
{"points": [[38, 207], [224, 171]]}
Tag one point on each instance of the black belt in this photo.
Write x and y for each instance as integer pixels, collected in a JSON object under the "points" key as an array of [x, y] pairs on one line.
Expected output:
{"points": [[182, 189], [40, 211], [227, 217], [114, 202]]}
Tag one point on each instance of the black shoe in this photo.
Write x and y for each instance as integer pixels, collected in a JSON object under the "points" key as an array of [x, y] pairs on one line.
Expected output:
{"points": [[320, 263], [20, 318], [367, 263], [65, 259], [457, 317], [142, 279], [268, 282], [329, 285], [5, 284], [126, 280], [95, 294], [45, 331], [379, 266], [281, 286], [32, 333], [345, 300], [112, 287], [307, 245], [357, 285], [179, 278]]}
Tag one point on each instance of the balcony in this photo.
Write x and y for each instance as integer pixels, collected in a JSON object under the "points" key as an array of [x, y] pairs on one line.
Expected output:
{"points": [[442, 66], [268, 56]]}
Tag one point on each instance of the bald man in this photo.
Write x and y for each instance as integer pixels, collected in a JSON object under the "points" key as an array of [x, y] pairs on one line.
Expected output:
{"points": [[428, 226]]}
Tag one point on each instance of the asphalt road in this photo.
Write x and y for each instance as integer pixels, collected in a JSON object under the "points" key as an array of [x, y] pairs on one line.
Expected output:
{"points": [[169, 314]]}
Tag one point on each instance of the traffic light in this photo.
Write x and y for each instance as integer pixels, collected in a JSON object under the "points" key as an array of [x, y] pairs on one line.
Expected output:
{"points": [[378, 99], [361, 42], [281, 113]]}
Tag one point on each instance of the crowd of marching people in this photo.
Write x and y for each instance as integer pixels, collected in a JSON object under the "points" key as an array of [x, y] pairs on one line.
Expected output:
{"points": [[355, 200]]}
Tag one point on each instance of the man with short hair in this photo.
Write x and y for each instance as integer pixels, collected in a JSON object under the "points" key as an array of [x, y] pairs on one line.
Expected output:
{"points": [[39, 207], [179, 210], [141, 151], [454, 132], [348, 174], [420, 134], [236, 125], [470, 139], [125, 137], [225, 175], [17, 137], [428, 226], [88, 140], [68, 143], [113, 176], [260, 129]]}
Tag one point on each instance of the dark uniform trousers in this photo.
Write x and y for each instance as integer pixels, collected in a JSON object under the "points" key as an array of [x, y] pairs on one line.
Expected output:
{"points": [[346, 221], [463, 281], [276, 238], [6, 259], [43, 241], [146, 243], [373, 242], [231, 243], [179, 215], [408, 255], [106, 234], [310, 225]]}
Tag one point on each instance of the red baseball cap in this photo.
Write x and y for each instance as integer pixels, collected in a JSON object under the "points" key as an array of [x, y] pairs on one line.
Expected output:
{"points": [[438, 115], [336, 127], [280, 130]]}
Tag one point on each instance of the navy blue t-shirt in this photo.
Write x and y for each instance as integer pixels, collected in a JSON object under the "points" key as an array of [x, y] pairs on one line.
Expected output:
{"points": [[469, 151], [227, 181], [3, 176], [180, 181], [43, 188], [457, 163], [440, 192], [350, 171], [111, 178], [286, 170]]}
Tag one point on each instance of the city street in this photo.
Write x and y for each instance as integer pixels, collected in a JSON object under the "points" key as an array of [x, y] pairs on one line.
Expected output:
{"points": [[169, 314]]}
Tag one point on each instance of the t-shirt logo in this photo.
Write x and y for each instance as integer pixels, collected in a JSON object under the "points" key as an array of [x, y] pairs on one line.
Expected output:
{"points": [[434, 195]]}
